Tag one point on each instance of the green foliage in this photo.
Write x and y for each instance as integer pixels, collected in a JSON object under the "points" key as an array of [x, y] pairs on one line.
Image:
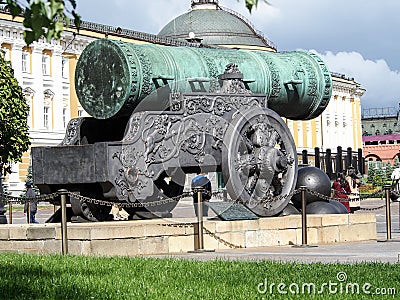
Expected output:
{"points": [[14, 138], [44, 18], [396, 162], [388, 172], [371, 174], [380, 174], [25, 276], [253, 3]]}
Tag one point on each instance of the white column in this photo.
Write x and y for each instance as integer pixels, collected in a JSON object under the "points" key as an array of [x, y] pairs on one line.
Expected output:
{"points": [[57, 89], [348, 130], [309, 135], [37, 75], [300, 132], [16, 61]]}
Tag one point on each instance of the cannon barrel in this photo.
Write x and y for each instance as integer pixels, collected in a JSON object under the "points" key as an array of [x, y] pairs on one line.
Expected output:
{"points": [[113, 77]]}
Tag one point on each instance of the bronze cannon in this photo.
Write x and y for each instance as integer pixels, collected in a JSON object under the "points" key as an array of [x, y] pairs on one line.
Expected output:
{"points": [[159, 113]]}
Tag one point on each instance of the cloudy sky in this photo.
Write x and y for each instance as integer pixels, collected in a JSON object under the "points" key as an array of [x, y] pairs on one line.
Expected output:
{"points": [[358, 38]]}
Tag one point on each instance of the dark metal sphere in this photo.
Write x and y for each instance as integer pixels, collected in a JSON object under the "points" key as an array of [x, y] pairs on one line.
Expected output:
{"points": [[289, 210], [321, 207], [314, 179], [340, 206]]}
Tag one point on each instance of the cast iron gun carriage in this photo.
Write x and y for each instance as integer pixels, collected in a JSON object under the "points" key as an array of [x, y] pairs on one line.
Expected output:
{"points": [[159, 113]]}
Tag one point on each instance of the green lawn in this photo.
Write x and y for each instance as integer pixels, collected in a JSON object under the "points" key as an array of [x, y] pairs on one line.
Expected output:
{"points": [[26, 276]]}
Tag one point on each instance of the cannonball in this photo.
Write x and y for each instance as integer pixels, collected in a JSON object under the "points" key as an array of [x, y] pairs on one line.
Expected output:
{"points": [[314, 179], [321, 207], [340, 206], [289, 210]]}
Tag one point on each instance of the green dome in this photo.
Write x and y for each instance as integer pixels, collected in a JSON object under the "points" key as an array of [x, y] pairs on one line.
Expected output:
{"points": [[214, 26]]}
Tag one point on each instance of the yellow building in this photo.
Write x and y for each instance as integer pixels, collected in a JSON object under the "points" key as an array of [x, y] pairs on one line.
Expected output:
{"points": [[45, 70]]}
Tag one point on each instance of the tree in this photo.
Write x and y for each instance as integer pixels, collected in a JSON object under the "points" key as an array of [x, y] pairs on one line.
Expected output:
{"points": [[388, 172], [44, 17], [371, 173], [14, 136]]}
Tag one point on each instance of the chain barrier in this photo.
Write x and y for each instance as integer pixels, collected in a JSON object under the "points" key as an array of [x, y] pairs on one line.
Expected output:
{"points": [[326, 198], [218, 194], [22, 200], [206, 231], [130, 204], [372, 208], [180, 225], [221, 240]]}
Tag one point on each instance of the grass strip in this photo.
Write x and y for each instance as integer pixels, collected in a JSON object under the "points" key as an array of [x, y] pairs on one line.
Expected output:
{"points": [[26, 276]]}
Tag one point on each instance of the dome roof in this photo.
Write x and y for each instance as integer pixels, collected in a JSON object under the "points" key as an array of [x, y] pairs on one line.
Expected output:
{"points": [[213, 25]]}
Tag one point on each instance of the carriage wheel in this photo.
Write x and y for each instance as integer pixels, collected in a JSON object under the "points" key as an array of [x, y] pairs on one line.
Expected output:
{"points": [[259, 161]]}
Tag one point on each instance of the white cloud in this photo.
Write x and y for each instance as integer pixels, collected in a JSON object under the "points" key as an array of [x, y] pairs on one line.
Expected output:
{"points": [[376, 77], [145, 16]]}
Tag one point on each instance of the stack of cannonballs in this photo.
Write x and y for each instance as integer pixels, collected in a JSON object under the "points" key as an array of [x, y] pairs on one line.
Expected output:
{"points": [[316, 180]]}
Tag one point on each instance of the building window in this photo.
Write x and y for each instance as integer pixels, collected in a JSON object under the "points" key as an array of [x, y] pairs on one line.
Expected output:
{"points": [[25, 62], [46, 64], [46, 117], [64, 67], [80, 113]]}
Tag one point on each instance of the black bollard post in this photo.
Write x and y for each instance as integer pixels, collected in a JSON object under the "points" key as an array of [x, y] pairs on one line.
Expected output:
{"points": [[317, 162], [64, 237], [361, 167], [388, 216], [349, 157], [304, 157], [339, 160], [328, 163]]}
